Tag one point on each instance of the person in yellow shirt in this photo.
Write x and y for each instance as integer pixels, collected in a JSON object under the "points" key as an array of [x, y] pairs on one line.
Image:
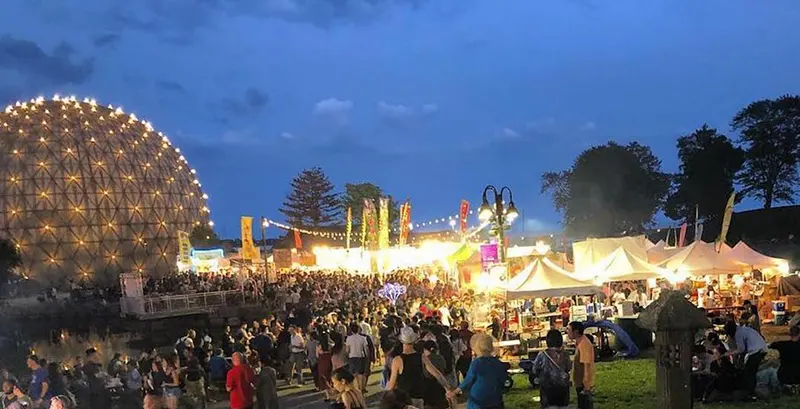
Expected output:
{"points": [[583, 366]]}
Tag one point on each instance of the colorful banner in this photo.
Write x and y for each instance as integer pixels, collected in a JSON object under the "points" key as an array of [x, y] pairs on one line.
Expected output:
{"points": [[371, 221], [184, 248], [383, 223], [249, 251], [349, 226], [364, 218], [682, 236], [726, 222], [489, 254], [298, 242], [464, 211], [405, 223]]}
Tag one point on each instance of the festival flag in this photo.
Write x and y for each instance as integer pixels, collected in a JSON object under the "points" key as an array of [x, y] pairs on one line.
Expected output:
{"points": [[383, 223], [726, 222], [184, 248], [349, 225], [405, 222], [682, 236], [298, 242], [364, 218], [372, 224], [463, 213], [248, 248]]}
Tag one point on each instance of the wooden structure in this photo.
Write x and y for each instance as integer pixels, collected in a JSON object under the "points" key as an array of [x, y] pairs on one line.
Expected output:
{"points": [[674, 320]]}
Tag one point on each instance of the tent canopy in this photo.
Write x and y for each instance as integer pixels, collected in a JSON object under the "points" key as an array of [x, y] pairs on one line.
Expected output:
{"points": [[744, 254], [621, 265], [660, 252], [701, 258], [543, 278], [589, 252]]}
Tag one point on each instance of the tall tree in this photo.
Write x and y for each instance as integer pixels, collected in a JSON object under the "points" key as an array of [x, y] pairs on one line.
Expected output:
{"points": [[9, 260], [610, 190], [203, 235], [354, 195], [311, 203], [709, 164], [769, 131]]}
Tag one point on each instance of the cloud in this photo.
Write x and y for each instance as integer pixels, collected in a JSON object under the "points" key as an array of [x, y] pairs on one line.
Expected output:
{"points": [[589, 126], [251, 103], [171, 86], [240, 137], [255, 98], [105, 40], [38, 68], [541, 125], [287, 135], [334, 109], [537, 226], [508, 133], [399, 114]]}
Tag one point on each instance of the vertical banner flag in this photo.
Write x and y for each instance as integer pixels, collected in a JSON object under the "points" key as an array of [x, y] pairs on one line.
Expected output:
{"points": [[726, 222], [405, 222], [364, 218], [698, 231], [349, 228], [464, 211], [372, 224], [298, 242], [184, 248], [248, 248], [682, 236], [383, 223]]}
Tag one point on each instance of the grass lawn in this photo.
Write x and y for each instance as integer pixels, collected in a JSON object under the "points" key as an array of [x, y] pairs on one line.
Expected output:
{"points": [[627, 385]]}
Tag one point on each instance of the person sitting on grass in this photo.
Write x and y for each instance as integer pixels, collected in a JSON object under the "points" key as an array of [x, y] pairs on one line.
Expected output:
{"points": [[789, 370]]}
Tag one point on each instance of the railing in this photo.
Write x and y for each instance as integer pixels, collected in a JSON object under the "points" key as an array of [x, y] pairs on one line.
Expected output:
{"points": [[184, 304]]}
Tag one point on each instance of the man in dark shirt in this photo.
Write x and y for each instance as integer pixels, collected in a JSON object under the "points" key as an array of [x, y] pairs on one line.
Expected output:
{"points": [[789, 371]]}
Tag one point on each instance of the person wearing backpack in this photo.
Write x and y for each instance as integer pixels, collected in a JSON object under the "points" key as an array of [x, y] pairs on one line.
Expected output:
{"points": [[552, 367]]}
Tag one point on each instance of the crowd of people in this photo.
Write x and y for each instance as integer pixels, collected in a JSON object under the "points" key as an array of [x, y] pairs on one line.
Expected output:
{"points": [[331, 329]]}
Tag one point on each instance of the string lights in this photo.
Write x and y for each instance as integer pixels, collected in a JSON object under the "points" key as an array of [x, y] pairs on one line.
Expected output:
{"points": [[137, 188]]}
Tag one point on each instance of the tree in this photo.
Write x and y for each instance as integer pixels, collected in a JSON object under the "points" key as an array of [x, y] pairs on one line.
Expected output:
{"points": [[203, 236], [610, 190], [311, 203], [9, 260], [354, 195], [709, 164], [769, 131]]}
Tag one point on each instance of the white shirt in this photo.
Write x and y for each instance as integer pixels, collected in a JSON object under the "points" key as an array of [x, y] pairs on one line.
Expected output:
{"points": [[357, 346], [366, 329], [298, 343], [445, 312], [295, 298]]}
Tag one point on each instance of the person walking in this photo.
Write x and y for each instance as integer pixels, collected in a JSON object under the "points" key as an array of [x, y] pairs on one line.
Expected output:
{"points": [[357, 356], [584, 365], [239, 383], [485, 376], [267, 387], [408, 369], [298, 357], [351, 397], [552, 367]]}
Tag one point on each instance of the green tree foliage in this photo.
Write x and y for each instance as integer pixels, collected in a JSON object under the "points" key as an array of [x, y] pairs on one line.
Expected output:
{"points": [[709, 164], [312, 202], [769, 131], [610, 190], [354, 195], [9, 260], [203, 236]]}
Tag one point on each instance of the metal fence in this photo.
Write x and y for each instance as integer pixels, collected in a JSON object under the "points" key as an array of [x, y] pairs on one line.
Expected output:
{"points": [[185, 304]]}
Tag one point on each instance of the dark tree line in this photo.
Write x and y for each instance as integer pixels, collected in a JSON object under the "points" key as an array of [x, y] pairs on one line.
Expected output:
{"points": [[613, 189]]}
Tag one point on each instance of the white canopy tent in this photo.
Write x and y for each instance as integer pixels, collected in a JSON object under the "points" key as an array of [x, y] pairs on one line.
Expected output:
{"points": [[744, 254], [701, 258], [543, 278], [621, 265], [660, 252], [589, 252]]}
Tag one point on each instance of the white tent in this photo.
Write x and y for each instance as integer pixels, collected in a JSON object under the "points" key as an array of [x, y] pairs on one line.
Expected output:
{"points": [[701, 258], [621, 265], [589, 252], [543, 278], [744, 254], [660, 252]]}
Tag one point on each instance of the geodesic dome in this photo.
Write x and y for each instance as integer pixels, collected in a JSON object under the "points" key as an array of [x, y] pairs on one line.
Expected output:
{"points": [[92, 190]]}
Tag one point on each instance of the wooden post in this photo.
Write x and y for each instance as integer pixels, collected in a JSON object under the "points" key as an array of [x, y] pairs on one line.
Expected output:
{"points": [[674, 320]]}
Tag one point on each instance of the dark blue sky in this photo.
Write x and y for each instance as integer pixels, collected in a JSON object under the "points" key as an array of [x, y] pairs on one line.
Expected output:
{"points": [[430, 99]]}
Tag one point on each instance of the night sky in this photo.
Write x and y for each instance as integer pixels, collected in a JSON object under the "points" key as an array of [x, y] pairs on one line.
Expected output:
{"points": [[430, 99]]}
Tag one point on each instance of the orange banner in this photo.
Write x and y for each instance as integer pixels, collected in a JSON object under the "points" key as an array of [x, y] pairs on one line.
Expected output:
{"points": [[298, 242], [463, 213]]}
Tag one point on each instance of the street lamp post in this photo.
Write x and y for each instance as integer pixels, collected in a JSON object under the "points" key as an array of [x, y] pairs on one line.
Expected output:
{"points": [[264, 225], [499, 214]]}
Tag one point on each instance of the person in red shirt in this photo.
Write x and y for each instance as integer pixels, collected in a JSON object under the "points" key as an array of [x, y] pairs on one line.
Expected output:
{"points": [[241, 379]]}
